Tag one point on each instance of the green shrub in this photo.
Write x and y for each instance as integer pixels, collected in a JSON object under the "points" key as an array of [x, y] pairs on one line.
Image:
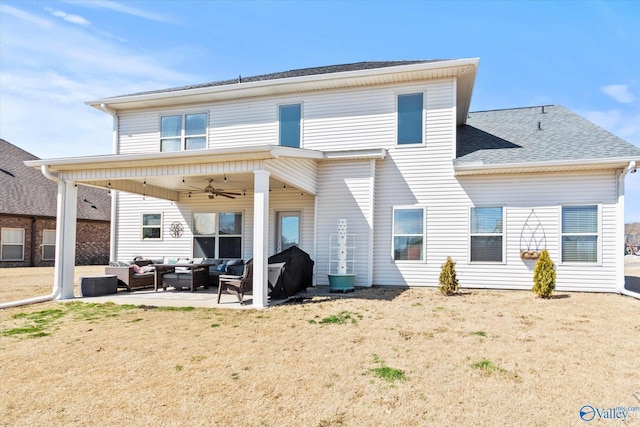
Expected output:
{"points": [[448, 279], [544, 276]]}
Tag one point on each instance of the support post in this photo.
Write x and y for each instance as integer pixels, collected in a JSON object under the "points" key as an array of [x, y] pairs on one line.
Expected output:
{"points": [[260, 238], [66, 239]]}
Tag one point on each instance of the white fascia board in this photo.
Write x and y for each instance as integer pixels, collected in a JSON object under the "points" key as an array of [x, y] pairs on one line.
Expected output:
{"points": [[479, 168], [299, 153], [103, 103], [181, 157], [371, 154]]}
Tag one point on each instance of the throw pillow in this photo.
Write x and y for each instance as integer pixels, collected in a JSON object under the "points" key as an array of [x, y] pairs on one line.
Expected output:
{"points": [[136, 269]]}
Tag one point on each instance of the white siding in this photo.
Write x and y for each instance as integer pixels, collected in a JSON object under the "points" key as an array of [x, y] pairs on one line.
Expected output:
{"points": [[300, 172], [131, 207], [334, 120], [139, 132], [344, 191], [448, 226]]}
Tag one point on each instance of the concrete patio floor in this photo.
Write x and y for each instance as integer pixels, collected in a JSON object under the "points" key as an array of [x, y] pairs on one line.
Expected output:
{"points": [[206, 298]]}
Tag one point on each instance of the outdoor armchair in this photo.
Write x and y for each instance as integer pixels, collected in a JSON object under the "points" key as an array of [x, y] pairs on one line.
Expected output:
{"points": [[238, 285]]}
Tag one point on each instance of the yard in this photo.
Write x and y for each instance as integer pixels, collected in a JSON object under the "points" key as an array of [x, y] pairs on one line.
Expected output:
{"points": [[383, 357]]}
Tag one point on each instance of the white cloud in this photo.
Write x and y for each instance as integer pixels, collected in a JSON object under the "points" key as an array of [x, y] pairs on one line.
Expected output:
{"points": [[49, 69], [74, 19], [122, 8], [21, 14], [623, 123], [620, 93]]}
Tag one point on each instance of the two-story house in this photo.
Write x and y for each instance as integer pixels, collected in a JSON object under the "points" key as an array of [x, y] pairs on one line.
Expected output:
{"points": [[246, 167]]}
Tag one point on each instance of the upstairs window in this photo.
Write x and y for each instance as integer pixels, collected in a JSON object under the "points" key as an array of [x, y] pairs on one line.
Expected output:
{"points": [[410, 114], [408, 234], [486, 234], [183, 132], [289, 117], [580, 233]]}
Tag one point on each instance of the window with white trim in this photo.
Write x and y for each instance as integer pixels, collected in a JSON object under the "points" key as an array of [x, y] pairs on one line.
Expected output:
{"points": [[410, 118], [183, 132], [48, 245], [486, 234], [12, 244], [217, 235], [580, 233], [289, 118], [151, 226], [409, 234]]}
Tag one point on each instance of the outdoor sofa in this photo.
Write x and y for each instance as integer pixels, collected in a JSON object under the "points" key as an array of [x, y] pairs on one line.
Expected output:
{"points": [[140, 273], [130, 277]]}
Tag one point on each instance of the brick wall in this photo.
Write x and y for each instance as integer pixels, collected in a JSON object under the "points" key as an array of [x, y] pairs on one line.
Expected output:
{"points": [[92, 243], [92, 240]]}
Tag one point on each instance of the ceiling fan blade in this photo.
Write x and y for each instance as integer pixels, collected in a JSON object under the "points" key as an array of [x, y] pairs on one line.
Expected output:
{"points": [[226, 195], [228, 192]]}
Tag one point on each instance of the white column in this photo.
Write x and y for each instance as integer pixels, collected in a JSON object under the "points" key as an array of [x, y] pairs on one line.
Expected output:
{"points": [[66, 239], [260, 238]]}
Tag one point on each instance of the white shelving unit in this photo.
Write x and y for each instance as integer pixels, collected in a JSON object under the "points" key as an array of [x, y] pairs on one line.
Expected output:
{"points": [[334, 248]]}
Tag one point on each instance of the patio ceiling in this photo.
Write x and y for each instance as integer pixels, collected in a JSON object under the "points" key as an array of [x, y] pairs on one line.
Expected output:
{"points": [[172, 175]]}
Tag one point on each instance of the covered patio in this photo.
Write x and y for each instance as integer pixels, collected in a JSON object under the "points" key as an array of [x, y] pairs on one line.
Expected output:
{"points": [[169, 176], [180, 177]]}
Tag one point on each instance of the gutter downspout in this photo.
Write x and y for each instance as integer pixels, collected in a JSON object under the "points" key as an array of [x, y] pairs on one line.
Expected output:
{"points": [[56, 278], [113, 242], [620, 240]]}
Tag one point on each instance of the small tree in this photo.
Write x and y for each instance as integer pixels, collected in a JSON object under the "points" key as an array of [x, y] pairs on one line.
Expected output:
{"points": [[544, 276], [448, 279]]}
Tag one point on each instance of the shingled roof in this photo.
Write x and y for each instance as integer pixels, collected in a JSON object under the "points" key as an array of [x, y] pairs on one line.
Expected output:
{"points": [[25, 191], [357, 66], [536, 134]]}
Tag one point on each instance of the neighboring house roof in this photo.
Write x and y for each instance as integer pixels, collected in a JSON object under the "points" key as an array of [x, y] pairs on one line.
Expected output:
{"points": [[549, 133], [25, 191]]}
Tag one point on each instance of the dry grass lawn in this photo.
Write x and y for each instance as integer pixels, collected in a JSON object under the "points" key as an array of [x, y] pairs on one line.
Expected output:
{"points": [[377, 357]]}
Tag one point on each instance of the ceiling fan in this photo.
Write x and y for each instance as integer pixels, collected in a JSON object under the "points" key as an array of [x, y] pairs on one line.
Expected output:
{"points": [[210, 191]]}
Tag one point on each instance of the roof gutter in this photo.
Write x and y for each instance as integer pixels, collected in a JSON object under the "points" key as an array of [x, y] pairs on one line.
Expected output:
{"points": [[631, 167], [480, 168], [56, 280]]}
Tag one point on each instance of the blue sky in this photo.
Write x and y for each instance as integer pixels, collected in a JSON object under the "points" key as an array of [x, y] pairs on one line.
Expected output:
{"points": [[55, 55]]}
